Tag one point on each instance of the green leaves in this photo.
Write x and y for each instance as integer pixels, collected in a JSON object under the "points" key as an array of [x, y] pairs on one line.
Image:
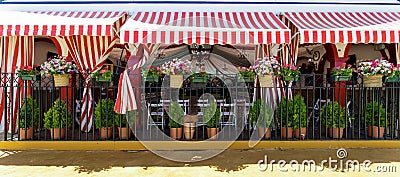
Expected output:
{"points": [[295, 110], [333, 115], [57, 116], [375, 114], [211, 115], [175, 112], [261, 114], [28, 113], [105, 115]]}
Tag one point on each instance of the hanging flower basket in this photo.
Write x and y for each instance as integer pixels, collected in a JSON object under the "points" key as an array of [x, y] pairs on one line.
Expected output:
{"points": [[336, 78], [29, 77], [392, 79], [197, 79], [373, 81], [151, 79], [290, 78], [101, 78], [61, 80], [266, 80], [176, 81]]}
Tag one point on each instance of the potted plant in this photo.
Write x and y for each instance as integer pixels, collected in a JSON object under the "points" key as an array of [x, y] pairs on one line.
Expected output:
{"points": [[333, 116], [28, 73], [28, 118], [289, 73], [261, 115], [189, 125], [105, 117], [102, 75], [212, 117], [60, 68], [373, 71], [265, 69], [151, 74], [292, 113], [123, 126], [175, 113], [176, 68], [375, 119], [247, 74], [57, 119], [394, 75], [342, 73], [200, 77]]}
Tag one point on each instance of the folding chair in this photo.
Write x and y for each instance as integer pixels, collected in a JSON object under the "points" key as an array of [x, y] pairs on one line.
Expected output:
{"points": [[228, 114], [155, 114]]}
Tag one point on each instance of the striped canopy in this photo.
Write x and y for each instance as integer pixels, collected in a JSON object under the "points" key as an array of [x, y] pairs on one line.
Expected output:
{"points": [[346, 27], [205, 28], [57, 23]]}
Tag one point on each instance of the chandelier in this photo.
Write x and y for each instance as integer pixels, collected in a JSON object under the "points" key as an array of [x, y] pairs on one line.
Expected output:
{"points": [[242, 54], [200, 53]]}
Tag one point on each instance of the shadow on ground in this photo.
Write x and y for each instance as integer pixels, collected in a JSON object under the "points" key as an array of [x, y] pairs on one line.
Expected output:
{"points": [[228, 161]]}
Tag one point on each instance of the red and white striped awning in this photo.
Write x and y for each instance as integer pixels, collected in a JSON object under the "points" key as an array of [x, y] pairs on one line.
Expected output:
{"points": [[205, 28], [58, 23], [346, 27]]}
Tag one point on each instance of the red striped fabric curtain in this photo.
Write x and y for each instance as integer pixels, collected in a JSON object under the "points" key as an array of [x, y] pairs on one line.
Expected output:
{"points": [[89, 53], [15, 51]]}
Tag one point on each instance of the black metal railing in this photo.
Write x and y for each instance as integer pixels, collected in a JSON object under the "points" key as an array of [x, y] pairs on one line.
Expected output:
{"points": [[308, 104]]}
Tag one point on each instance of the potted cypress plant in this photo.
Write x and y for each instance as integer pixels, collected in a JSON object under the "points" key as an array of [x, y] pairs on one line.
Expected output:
{"points": [[375, 119], [296, 111], [175, 113], [123, 126], [105, 117], [333, 116], [28, 118], [261, 115], [57, 119], [212, 117]]}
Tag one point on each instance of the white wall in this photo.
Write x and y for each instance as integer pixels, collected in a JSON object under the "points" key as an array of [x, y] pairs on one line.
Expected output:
{"points": [[41, 49]]}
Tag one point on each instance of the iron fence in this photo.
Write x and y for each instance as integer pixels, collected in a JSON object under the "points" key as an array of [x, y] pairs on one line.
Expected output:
{"points": [[313, 117]]}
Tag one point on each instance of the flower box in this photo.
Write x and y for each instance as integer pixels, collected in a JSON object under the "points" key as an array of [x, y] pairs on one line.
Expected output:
{"points": [[101, 78], [373, 81], [340, 78], [392, 79], [266, 80], [176, 81], [61, 80], [151, 79], [246, 79], [197, 79], [290, 78], [29, 77]]}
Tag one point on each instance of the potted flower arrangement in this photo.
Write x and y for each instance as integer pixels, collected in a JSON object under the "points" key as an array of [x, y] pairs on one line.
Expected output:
{"points": [[57, 119], [175, 69], [265, 69], [28, 73], [342, 73], [28, 118], [375, 119], [292, 114], [247, 73], [102, 75], [373, 71], [333, 116], [105, 117], [261, 115], [212, 117], [151, 74], [60, 68], [175, 113], [289, 72], [393, 76]]}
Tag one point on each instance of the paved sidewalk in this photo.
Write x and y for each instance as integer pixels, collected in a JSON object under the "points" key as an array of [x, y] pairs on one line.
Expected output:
{"points": [[228, 163]]}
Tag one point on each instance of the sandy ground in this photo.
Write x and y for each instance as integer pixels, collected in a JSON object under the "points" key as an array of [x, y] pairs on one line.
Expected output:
{"points": [[228, 163]]}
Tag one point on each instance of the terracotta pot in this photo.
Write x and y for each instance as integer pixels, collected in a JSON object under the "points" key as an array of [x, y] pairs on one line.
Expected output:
{"points": [[188, 129], [298, 132], [212, 133], [289, 132], [377, 132], [369, 131], [105, 132], [335, 134], [264, 133], [124, 133], [175, 133], [56, 134], [28, 132]]}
